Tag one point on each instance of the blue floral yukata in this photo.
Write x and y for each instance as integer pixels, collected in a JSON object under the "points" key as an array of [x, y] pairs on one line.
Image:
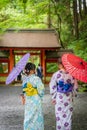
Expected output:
{"points": [[62, 86], [34, 92]]}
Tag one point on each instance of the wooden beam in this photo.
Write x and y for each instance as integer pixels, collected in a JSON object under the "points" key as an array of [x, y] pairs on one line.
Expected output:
{"points": [[43, 63], [11, 59]]}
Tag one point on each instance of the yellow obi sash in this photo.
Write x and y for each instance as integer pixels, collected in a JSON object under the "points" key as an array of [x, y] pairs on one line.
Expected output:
{"points": [[30, 90]]}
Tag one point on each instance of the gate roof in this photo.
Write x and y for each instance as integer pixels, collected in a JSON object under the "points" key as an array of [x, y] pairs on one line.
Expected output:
{"points": [[33, 38]]}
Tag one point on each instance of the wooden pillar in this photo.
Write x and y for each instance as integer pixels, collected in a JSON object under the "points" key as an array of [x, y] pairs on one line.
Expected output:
{"points": [[11, 58], [43, 64]]}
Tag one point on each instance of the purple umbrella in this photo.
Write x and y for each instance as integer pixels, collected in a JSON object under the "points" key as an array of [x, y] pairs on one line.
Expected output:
{"points": [[18, 68]]}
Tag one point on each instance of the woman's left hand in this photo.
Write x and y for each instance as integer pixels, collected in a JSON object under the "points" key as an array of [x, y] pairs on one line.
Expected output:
{"points": [[53, 101]]}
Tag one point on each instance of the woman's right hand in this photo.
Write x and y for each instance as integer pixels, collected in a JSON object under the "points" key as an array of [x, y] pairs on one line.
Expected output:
{"points": [[22, 98]]}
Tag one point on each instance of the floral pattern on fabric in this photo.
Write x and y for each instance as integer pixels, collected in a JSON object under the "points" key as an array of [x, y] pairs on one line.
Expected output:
{"points": [[63, 106], [33, 117]]}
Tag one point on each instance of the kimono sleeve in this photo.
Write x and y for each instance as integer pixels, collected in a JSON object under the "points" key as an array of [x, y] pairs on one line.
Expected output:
{"points": [[40, 87], [24, 83], [75, 84], [75, 89], [53, 86]]}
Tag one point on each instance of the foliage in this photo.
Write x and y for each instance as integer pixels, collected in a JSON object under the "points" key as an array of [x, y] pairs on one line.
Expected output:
{"points": [[82, 87], [79, 47], [4, 3], [57, 14], [62, 15], [16, 16]]}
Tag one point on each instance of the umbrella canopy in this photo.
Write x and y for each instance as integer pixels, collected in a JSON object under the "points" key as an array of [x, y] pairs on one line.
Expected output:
{"points": [[18, 68], [76, 66]]}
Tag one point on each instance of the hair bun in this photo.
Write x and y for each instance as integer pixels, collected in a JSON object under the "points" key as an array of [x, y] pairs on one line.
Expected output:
{"points": [[30, 66]]}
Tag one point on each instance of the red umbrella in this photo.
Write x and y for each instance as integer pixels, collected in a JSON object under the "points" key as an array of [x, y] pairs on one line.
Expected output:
{"points": [[18, 68], [76, 66]]}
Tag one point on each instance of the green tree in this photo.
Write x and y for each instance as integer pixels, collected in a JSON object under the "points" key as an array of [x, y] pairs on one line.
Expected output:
{"points": [[68, 18]]}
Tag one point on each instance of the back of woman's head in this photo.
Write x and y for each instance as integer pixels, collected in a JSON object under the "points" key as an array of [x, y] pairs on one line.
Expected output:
{"points": [[29, 66]]}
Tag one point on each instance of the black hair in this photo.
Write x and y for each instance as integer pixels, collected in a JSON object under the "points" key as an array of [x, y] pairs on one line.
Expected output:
{"points": [[59, 60], [29, 66]]}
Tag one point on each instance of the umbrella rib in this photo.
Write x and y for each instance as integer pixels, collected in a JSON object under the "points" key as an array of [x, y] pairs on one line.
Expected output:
{"points": [[76, 66]]}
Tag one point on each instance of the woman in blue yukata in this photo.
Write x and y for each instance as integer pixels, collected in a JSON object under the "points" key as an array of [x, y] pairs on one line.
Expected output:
{"points": [[62, 88], [33, 90]]}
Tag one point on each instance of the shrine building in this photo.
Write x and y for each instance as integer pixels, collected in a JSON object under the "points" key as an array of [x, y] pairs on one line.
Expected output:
{"points": [[43, 46]]}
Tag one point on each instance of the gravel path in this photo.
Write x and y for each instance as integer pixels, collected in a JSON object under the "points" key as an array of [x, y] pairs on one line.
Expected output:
{"points": [[11, 110]]}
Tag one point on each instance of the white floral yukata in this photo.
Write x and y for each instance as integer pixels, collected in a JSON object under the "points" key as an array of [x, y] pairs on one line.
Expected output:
{"points": [[34, 92], [61, 86]]}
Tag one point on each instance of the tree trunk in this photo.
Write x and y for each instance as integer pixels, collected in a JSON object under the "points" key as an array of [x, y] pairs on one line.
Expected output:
{"points": [[80, 8], [75, 14], [49, 16], [24, 5], [58, 29], [84, 7]]}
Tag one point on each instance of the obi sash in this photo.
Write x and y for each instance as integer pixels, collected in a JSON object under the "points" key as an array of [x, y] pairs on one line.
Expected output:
{"points": [[29, 89], [64, 87]]}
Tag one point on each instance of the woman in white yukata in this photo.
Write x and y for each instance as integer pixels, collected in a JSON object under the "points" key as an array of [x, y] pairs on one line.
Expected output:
{"points": [[62, 88], [33, 90]]}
